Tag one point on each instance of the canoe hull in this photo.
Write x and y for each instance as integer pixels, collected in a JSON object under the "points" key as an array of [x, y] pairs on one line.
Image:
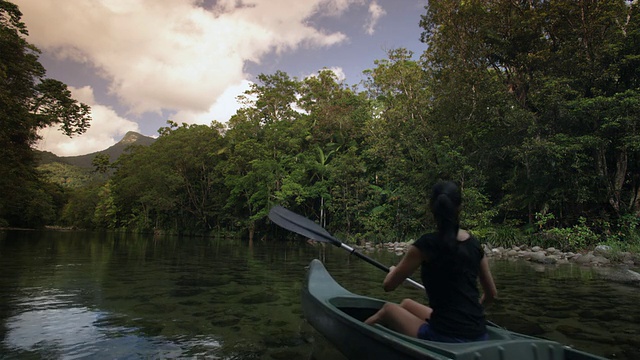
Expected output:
{"points": [[338, 315]]}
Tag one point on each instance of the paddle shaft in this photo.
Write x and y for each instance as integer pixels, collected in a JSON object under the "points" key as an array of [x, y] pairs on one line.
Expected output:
{"points": [[305, 227], [376, 264]]}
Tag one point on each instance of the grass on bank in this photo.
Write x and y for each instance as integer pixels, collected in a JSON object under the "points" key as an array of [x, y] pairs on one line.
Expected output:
{"points": [[624, 236]]}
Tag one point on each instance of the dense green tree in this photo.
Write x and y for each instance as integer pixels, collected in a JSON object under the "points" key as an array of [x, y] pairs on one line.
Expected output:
{"points": [[350, 187], [537, 85], [68, 176], [28, 102], [263, 137], [532, 106], [400, 144], [335, 116], [175, 183], [79, 210], [144, 190], [101, 163], [105, 213]]}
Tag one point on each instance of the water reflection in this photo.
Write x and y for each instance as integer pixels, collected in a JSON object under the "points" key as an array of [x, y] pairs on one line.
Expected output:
{"points": [[51, 324], [84, 295], [51, 320], [124, 296]]}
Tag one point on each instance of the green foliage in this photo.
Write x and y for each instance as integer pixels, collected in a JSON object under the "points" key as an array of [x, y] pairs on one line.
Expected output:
{"points": [[105, 214], [617, 249], [101, 163], [630, 227], [501, 235], [377, 224], [28, 102], [539, 129], [80, 208], [623, 234], [543, 220], [477, 209], [574, 238], [555, 113], [68, 176], [174, 184]]}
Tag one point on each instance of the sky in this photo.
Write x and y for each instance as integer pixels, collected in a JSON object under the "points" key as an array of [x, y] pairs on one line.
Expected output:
{"points": [[139, 63]]}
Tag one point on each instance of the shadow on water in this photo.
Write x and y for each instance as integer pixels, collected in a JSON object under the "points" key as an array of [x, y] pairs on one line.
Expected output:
{"points": [[79, 295]]}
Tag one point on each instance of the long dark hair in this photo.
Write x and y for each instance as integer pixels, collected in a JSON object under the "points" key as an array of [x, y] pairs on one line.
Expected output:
{"points": [[446, 199]]}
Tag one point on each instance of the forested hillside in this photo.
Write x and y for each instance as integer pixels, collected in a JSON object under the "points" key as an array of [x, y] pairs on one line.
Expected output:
{"points": [[531, 106], [78, 171], [131, 138]]}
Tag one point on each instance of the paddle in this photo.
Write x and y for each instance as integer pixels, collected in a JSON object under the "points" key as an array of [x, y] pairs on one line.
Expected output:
{"points": [[301, 225]]}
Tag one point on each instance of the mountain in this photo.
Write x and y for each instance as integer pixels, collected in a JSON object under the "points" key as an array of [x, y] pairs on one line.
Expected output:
{"points": [[84, 161], [77, 171]]}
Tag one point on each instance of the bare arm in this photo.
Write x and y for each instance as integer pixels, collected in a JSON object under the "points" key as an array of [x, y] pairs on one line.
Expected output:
{"points": [[486, 280], [405, 268]]}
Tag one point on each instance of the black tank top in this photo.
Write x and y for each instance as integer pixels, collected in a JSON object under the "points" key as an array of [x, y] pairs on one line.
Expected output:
{"points": [[451, 282]]}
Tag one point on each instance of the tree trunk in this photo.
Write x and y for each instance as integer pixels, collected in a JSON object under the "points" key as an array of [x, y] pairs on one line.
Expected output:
{"points": [[636, 203], [252, 231], [618, 179]]}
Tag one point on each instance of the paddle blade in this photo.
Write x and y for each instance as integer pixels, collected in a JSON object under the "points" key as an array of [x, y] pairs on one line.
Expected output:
{"points": [[301, 225]]}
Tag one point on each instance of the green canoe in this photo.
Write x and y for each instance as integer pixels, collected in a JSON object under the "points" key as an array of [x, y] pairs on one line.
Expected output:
{"points": [[339, 314]]}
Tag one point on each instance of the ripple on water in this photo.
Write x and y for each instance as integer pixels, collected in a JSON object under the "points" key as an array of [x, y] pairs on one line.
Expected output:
{"points": [[186, 292], [154, 308], [114, 300], [49, 321]]}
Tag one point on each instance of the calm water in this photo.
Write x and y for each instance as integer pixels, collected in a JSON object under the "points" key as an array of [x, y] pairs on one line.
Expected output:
{"points": [[74, 295]]}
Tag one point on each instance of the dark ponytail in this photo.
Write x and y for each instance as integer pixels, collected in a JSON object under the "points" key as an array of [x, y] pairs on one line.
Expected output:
{"points": [[445, 206]]}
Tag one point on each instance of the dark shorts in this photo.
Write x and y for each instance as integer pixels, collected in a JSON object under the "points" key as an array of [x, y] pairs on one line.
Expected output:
{"points": [[425, 332]]}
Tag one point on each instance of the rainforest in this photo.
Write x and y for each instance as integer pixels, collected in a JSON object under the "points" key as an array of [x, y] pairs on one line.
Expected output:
{"points": [[533, 107]]}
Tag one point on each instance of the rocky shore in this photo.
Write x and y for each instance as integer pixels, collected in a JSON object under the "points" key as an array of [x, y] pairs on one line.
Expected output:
{"points": [[617, 266]]}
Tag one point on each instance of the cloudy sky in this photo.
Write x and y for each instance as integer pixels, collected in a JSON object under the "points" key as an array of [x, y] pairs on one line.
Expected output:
{"points": [[138, 63]]}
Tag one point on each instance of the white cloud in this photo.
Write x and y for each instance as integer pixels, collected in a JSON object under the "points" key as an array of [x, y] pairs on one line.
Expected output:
{"points": [[375, 13], [107, 128], [175, 54], [337, 71], [225, 106], [185, 57]]}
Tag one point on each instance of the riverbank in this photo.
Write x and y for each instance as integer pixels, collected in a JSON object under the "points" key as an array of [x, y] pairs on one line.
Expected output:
{"points": [[617, 266], [602, 255]]}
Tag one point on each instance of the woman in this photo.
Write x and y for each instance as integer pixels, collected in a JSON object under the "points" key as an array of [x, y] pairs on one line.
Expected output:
{"points": [[451, 262]]}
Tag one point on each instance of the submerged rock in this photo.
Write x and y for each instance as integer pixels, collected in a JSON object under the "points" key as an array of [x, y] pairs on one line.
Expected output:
{"points": [[620, 274]]}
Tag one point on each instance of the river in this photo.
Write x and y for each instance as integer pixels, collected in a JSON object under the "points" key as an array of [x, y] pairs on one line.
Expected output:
{"points": [[83, 295]]}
